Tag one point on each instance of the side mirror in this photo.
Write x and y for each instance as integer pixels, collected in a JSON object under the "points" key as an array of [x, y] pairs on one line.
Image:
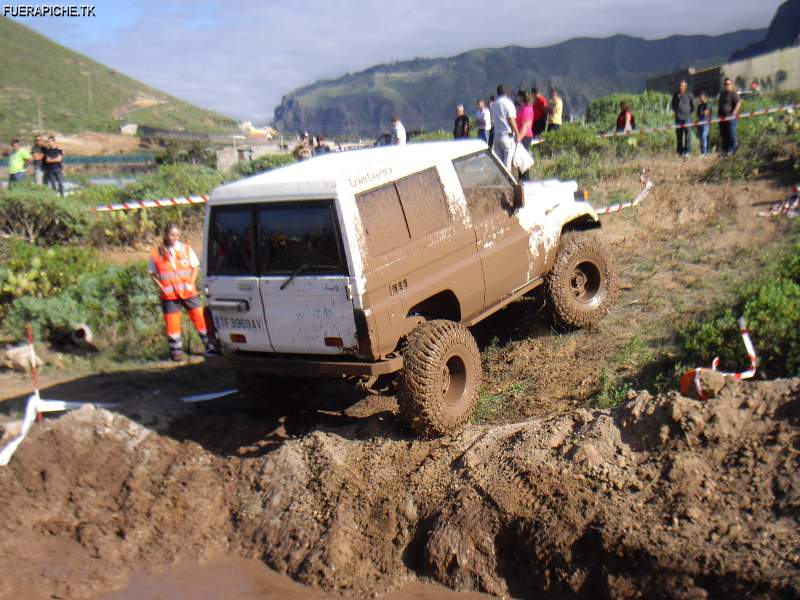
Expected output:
{"points": [[519, 196]]}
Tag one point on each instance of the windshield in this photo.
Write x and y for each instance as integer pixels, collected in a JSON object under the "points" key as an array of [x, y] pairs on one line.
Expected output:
{"points": [[291, 236]]}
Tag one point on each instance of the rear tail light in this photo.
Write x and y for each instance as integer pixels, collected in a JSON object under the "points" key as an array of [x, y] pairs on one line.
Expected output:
{"points": [[335, 342], [238, 338]]}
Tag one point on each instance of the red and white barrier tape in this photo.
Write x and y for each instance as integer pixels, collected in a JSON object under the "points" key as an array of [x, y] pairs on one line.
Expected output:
{"points": [[36, 406], [160, 203], [744, 115], [787, 208], [693, 376], [648, 187]]}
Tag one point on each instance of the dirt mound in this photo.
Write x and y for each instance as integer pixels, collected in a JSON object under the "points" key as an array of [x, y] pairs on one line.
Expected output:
{"points": [[676, 206], [664, 496]]}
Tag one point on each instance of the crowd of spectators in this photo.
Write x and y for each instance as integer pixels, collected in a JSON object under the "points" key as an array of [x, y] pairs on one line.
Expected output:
{"points": [[45, 158]]}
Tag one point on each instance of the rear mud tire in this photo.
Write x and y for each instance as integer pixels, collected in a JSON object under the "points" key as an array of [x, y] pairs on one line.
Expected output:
{"points": [[582, 285], [270, 396], [441, 378]]}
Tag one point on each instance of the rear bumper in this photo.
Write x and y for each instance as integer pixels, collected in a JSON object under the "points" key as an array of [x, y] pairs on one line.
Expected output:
{"points": [[305, 367]]}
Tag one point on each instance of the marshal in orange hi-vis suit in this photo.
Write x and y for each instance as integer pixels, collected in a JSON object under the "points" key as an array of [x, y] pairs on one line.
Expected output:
{"points": [[174, 267]]}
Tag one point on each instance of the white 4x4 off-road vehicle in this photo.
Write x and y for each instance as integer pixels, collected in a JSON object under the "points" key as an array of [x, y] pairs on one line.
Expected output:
{"points": [[377, 261]]}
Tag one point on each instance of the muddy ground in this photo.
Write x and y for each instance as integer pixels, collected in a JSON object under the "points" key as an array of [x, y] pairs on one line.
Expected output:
{"points": [[547, 496]]}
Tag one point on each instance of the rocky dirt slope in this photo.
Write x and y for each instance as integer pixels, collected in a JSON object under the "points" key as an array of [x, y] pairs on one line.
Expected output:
{"points": [[664, 496]]}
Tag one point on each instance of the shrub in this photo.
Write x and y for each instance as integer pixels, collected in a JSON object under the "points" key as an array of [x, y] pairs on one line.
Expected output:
{"points": [[771, 307], [30, 270], [262, 164], [120, 304], [131, 227], [38, 214], [649, 108], [572, 138]]}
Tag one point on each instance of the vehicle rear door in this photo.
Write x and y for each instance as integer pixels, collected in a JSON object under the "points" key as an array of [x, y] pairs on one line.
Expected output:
{"points": [[232, 279], [304, 279]]}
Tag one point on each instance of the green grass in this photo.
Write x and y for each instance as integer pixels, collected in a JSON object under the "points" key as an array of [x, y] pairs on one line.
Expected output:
{"points": [[73, 93], [492, 405]]}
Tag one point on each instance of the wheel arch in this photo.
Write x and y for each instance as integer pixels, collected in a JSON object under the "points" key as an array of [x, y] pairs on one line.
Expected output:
{"points": [[442, 305]]}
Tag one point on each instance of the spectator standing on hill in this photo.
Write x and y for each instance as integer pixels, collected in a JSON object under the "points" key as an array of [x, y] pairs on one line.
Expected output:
{"points": [[173, 268], [398, 132], [37, 152], [524, 119], [728, 109], [556, 111], [53, 166], [461, 124], [539, 112], [504, 126], [491, 131], [703, 114], [625, 120], [683, 107], [17, 161], [483, 121]]}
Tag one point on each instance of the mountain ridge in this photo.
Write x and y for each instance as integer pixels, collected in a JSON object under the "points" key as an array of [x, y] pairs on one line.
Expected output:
{"points": [[425, 91]]}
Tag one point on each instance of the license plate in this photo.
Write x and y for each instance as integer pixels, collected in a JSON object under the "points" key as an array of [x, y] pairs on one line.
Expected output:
{"points": [[238, 323]]}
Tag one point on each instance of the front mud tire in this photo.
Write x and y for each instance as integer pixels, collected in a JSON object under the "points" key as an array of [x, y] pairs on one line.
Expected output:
{"points": [[441, 378], [582, 285], [271, 396]]}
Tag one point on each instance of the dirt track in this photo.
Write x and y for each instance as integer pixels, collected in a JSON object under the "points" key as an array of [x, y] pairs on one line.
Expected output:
{"points": [[662, 497]]}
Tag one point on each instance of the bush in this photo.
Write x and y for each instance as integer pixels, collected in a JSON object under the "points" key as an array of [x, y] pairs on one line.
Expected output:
{"points": [[30, 270], [572, 138], [39, 215], [262, 164], [120, 304], [650, 109], [129, 228], [771, 307]]}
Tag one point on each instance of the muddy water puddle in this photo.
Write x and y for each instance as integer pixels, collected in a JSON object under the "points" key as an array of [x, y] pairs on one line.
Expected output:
{"points": [[241, 579]]}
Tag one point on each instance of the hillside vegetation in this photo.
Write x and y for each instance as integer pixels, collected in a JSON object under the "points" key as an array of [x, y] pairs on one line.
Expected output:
{"points": [[48, 87]]}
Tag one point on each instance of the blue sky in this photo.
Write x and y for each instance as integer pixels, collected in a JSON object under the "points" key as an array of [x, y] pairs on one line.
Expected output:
{"points": [[240, 57]]}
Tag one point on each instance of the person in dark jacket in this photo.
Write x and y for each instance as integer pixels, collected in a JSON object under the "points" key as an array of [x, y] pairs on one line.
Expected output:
{"points": [[461, 125], [683, 107], [728, 111]]}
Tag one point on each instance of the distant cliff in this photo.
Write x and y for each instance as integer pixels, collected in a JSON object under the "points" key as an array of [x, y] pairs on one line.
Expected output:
{"points": [[424, 92], [783, 31]]}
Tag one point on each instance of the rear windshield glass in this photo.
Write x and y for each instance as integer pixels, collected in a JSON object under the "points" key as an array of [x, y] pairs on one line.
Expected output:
{"points": [[230, 243], [298, 235]]}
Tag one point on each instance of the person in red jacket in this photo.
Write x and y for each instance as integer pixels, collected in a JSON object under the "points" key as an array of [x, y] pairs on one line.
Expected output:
{"points": [[174, 267], [539, 112]]}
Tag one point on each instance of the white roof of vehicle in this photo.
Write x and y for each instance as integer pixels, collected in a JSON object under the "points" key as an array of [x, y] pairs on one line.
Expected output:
{"points": [[319, 175]]}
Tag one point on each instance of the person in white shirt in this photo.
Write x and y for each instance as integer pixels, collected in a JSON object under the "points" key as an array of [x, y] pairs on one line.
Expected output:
{"points": [[504, 123], [483, 121], [398, 132]]}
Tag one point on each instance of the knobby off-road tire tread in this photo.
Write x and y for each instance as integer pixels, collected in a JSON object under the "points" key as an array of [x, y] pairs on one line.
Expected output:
{"points": [[424, 355], [565, 308]]}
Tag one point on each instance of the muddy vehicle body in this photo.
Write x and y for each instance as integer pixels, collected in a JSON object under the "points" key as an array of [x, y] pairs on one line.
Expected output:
{"points": [[376, 262]]}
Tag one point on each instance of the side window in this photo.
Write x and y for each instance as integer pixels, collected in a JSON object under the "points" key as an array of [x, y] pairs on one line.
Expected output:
{"points": [[423, 202], [230, 247], [383, 219], [486, 187]]}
